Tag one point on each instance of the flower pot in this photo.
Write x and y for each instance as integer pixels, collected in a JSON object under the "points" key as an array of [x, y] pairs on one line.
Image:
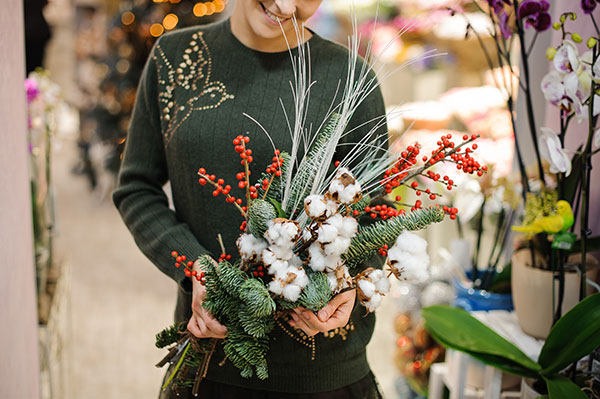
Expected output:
{"points": [[471, 299], [527, 390], [532, 293]]}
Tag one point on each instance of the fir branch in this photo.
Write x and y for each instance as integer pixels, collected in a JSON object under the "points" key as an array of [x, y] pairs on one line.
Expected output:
{"points": [[168, 336], [256, 296], [317, 293], [369, 239]]}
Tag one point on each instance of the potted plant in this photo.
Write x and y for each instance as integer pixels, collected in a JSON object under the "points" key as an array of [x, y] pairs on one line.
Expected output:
{"points": [[490, 207], [556, 191], [574, 336]]}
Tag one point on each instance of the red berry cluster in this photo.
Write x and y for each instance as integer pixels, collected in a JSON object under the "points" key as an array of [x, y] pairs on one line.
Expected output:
{"points": [[383, 251], [188, 264], [259, 272], [274, 169], [220, 188], [240, 147], [452, 211], [383, 211], [224, 256], [395, 175], [464, 161]]}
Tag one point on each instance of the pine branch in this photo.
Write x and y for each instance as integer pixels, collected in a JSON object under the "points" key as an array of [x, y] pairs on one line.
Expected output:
{"points": [[369, 239], [317, 293], [168, 336], [256, 296]]}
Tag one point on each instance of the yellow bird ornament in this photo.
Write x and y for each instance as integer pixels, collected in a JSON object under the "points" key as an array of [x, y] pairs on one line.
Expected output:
{"points": [[559, 222]]}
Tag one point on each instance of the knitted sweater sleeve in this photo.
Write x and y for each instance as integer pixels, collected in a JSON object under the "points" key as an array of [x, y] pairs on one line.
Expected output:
{"points": [[139, 195]]}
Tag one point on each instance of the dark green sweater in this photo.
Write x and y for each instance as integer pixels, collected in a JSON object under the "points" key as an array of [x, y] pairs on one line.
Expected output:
{"points": [[194, 90]]}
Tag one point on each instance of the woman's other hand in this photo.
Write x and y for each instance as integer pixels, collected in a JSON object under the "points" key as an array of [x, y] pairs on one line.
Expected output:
{"points": [[202, 324], [335, 314]]}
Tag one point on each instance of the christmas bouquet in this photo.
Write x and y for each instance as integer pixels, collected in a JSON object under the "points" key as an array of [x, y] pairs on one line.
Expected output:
{"points": [[301, 242]]}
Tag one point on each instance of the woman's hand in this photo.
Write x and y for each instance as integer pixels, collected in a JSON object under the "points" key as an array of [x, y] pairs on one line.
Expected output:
{"points": [[202, 324], [335, 314]]}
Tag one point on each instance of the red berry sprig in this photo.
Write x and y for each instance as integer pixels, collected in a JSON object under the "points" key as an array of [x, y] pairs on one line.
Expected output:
{"points": [[246, 159], [189, 267], [452, 211], [274, 169], [447, 151], [220, 188]]}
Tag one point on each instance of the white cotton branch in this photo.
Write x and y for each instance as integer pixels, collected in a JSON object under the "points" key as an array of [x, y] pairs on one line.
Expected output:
{"points": [[411, 242], [250, 246]]}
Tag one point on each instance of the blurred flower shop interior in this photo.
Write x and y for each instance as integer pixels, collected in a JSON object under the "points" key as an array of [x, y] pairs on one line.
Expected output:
{"points": [[492, 112]]}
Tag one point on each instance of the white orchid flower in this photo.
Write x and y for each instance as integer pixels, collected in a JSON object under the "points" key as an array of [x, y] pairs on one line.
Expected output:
{"points": [[566, 59], [596, 140], [552, 151], [554, 89]]}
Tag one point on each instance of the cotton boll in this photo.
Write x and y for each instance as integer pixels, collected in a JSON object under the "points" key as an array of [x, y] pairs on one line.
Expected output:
{"points": [[336, 221], [336, 186], [296, 261], [374, 303], [327, 233], [282, 252], [348, 195], [383, 285], [332, 262], [301, 278], [268, 257], [315, 206], [337, 247], [276, 287], [349, 227], [376, 275], [291, 292], [317, 258], [414, 269], [332, 208], [290, 231], [250, 246], [367, 287], [278, 268], [332, 280], [411, 242]]}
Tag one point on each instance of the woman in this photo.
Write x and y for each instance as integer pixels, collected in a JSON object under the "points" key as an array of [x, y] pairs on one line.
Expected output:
{"points": [[196, 87]]}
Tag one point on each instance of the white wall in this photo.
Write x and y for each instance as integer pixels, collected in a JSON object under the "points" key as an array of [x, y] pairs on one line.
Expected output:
{"points": [[19, 369]]}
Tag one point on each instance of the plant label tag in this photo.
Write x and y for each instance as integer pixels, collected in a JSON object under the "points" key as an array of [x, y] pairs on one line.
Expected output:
{"points": [[564, 241]]}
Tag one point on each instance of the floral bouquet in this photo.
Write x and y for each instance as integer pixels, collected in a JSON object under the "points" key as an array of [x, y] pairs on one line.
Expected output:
{"points": [[301, 241]]}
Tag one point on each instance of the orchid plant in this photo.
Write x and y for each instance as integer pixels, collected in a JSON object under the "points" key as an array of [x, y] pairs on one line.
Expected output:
{"points": [[572, 86]]}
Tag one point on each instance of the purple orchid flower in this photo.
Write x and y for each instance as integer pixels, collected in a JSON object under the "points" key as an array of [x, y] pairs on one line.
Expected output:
{"points": [[504, 25], [498, 5], [31, 89], [588, 6], [535, 13]]}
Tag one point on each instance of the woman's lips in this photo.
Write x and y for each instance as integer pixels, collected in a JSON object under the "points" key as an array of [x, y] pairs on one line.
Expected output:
{"points": [[268, 17]]}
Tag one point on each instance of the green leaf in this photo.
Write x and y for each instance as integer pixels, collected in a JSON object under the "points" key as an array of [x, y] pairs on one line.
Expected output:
{"points": [[492, 360], [463, 332], [575, 335], [560, 387], [280, 211]]}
